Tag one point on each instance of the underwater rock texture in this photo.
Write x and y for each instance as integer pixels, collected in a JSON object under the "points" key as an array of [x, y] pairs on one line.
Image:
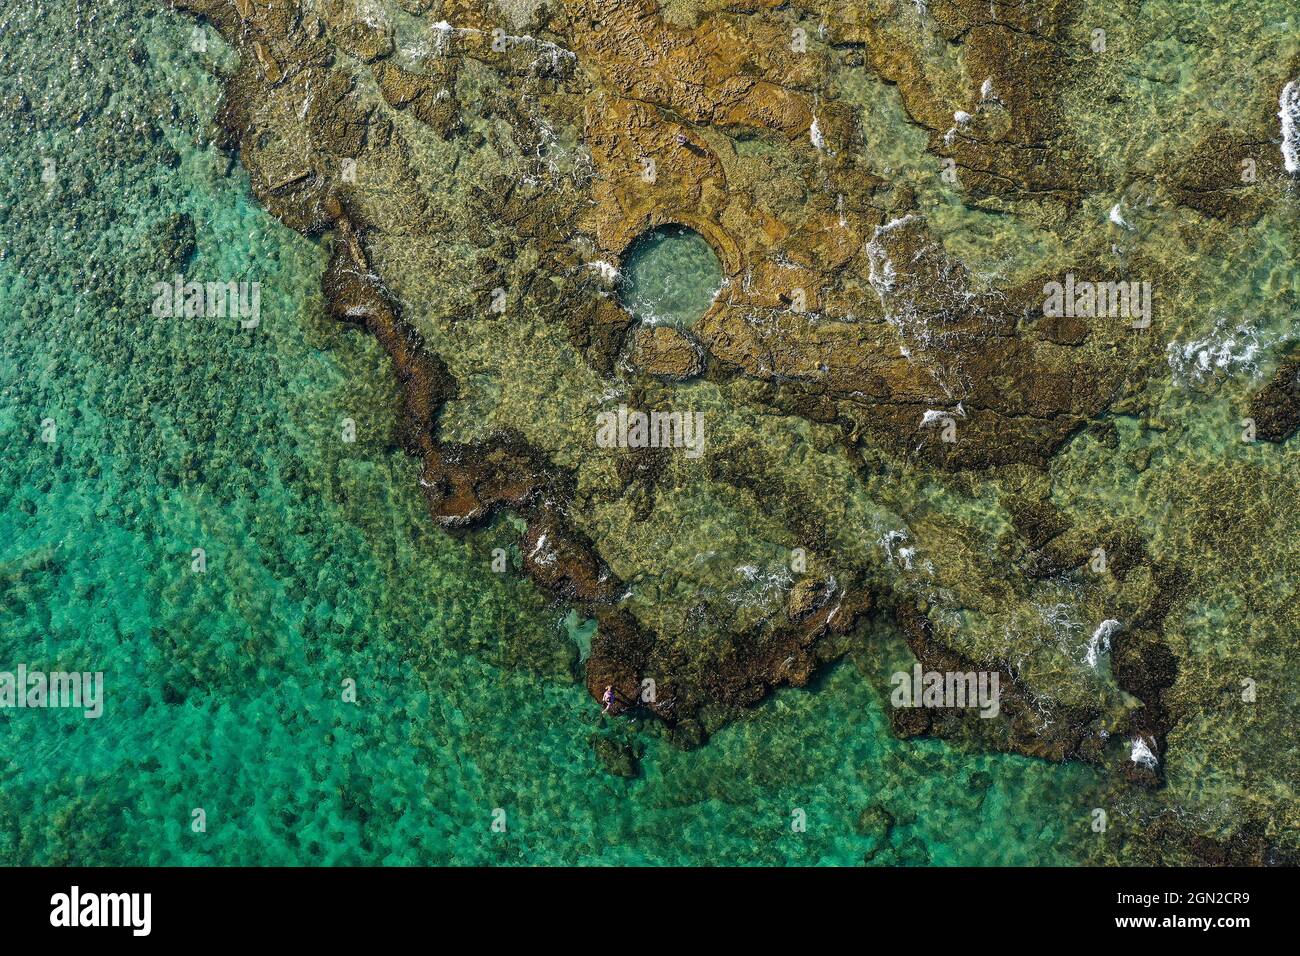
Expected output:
{"points": [[896, 429]]}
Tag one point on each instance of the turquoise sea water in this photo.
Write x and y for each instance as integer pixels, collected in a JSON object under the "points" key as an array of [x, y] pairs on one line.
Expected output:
{"points": [[226, 687]]}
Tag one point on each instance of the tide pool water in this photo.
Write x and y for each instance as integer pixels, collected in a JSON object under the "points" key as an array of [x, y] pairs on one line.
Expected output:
{"points": [[670, 274], [298, 666]]}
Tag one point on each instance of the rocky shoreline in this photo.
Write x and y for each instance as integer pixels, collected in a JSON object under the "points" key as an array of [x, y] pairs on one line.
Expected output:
{"points": [[842, 310]]}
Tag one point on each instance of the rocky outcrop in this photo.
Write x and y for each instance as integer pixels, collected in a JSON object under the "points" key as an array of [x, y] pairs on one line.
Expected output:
{"points": [[475, 176]]}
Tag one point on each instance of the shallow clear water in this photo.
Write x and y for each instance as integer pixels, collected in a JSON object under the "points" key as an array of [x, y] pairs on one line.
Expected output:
{"points": [[225, 689], [670, 274]]}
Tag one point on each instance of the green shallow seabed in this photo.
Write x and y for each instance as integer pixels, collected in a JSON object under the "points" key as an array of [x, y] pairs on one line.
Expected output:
{"points": [[224, 689]]}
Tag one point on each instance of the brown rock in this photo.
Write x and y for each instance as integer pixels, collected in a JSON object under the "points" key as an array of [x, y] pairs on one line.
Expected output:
{"points": [[666, 352], [1276, 406]]}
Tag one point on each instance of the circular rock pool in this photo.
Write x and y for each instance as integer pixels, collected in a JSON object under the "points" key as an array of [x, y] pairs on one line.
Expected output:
{"points": [[670, 275]]}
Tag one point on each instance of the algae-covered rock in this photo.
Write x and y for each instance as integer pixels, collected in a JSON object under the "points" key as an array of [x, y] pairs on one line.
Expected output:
{"points": [[896, 417], [619, 758]]}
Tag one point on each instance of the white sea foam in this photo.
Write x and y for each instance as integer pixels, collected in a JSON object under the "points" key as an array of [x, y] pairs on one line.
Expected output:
{"points": [[816, 136], [1227, 350], [890, 541], [1142, 754], [606, 270], [1117, 216], [543, 554], [903, 315], [934, 415], [760, 586], [1289, 114], [1099, 643], [373, 14]]}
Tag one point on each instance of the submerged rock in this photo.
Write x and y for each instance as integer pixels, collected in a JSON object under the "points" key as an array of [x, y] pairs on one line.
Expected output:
{"points": [[893, 417], [620, 758]]}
